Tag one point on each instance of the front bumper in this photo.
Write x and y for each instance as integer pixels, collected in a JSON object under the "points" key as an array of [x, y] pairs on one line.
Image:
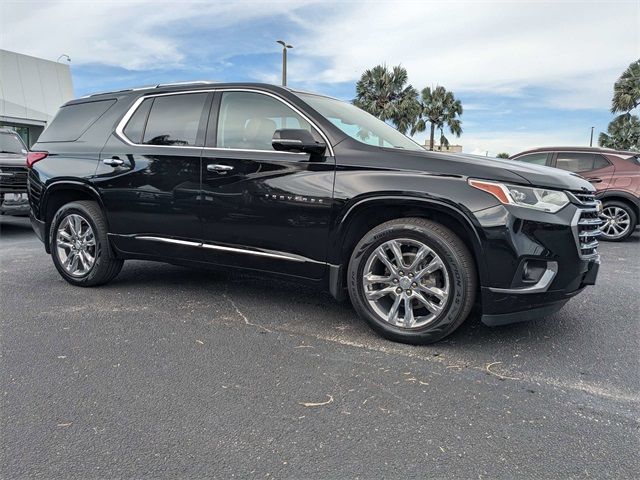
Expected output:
{"points": [[515, 238], [14, 204]]}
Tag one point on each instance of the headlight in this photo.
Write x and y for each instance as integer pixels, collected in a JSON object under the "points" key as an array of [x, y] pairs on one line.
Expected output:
{"points": [[538, 198]]}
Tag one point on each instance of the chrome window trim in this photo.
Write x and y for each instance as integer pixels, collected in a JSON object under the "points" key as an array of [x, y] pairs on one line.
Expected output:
{"points": [[127, 116]]}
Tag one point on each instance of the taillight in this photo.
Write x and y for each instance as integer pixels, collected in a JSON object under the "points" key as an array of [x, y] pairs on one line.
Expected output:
{"points": [[33, 157]]}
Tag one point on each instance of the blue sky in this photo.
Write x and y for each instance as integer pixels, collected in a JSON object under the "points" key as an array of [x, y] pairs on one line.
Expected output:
{"points": [[529, 73]]}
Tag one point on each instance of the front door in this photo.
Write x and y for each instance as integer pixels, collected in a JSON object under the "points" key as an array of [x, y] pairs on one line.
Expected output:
{"points": [[263, 209], [150, 178]]}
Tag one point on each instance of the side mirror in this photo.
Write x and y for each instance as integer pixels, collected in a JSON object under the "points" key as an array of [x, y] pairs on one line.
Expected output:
{"points": [[296, 140]]}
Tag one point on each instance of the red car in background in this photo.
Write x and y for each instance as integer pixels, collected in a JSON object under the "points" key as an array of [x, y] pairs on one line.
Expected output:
{"points": [[615, 175]]}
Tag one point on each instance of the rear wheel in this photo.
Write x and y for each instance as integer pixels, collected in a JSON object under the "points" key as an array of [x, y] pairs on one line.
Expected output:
{"points": [[619, 221], [79, 245], [412, 280]]}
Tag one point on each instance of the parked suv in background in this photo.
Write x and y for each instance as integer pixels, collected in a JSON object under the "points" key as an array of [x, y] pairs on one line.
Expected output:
{"points": [[615, 175], [264, 178], [13, 174]]}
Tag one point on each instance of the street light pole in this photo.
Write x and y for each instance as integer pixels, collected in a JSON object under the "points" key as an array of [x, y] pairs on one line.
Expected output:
{"points": [[64, 55], [285, 46], [591, 141]]}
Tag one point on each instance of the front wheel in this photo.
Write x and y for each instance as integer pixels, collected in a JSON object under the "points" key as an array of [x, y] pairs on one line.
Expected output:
{"points": [[413, 280], [619, 221], [79, 245]]}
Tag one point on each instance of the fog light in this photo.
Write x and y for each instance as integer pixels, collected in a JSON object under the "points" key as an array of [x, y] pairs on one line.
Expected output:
{"points": [[533, 270]]}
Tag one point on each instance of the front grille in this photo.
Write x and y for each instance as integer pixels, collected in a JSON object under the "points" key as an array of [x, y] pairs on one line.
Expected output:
{"points": [[587, 229], [13, 179], [586, 199], [35, 192]]}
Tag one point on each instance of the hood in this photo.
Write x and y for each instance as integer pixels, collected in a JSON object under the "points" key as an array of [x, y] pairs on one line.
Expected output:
{"points": [[476, 166], [13, 160]]}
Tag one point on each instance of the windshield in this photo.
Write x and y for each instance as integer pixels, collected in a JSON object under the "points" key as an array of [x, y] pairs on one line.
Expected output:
{"points": [[11, 143], [359, 124]]}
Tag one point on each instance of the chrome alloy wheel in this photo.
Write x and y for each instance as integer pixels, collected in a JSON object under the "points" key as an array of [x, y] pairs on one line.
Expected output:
{"points": [[76, 245], [406, 283], [616, 222]]}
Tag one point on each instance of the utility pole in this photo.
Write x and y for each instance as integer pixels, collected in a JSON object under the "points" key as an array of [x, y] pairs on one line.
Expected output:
{"points": [[591, 141], [285, 46]]}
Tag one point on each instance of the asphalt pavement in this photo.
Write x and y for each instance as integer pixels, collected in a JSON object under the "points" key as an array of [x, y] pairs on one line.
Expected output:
{"points": [[179, 373]]}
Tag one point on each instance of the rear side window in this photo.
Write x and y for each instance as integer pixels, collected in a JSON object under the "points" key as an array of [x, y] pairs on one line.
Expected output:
{"points": [[600, 162], [135, 126], [174, 119], [575, 162], [73, 120], [535, 158]]}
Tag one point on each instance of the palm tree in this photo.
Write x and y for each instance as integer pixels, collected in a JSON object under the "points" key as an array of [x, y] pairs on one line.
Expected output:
{"points": [[502, 155], [623, 133], [440, 108], [385, 94], [626, 90]]}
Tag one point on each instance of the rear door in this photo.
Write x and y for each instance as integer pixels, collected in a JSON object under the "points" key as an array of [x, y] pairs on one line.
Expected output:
{"points": [[264, 209], [149, 176]]}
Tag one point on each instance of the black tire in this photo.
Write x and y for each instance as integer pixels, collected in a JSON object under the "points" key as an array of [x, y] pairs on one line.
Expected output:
{"points": [[633, 220], [456, 258], [106, 266]]}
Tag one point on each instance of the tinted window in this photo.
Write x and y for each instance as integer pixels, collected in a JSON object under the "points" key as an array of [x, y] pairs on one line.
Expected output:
{"points": [[73, 120], [174, 119], [600, 162], [11, 143], [135, 125], [248, 120], [574, 162], [536, 158]]}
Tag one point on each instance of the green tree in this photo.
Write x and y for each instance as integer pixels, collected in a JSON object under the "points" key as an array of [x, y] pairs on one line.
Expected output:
{"points": [[502, 155], [439, 108], [623, 133], [626, 90], [385, 94]]}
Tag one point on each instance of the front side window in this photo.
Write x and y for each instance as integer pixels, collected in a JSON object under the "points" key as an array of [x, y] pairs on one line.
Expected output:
{"points": [[358, 124], [174, 119], [574, 162], [535, 158], [247, 120]]}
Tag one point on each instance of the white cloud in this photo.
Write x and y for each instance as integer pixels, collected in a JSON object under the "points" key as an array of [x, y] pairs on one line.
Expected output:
{"points": [[574, 49], [133, 34], [571, 50]]}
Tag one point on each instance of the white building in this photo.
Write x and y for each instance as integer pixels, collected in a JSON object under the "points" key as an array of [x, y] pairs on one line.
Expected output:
{"points": [[31, 91]]}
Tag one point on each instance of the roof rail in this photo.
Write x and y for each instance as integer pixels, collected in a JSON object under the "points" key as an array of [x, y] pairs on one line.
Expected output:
{"points": [[147, 87], [193, 82]]}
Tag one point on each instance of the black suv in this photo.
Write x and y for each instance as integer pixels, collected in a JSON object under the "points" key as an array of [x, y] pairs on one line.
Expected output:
{"points": [[263, 178], [13, 174]]}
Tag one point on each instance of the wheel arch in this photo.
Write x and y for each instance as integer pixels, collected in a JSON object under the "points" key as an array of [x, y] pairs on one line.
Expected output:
{"points": [[60, 193], [360, 217], [624, 197]]}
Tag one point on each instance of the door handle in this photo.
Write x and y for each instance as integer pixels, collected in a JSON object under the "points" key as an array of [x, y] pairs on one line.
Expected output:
{"points": [[594, 180], [113, 162], [220, 169]]}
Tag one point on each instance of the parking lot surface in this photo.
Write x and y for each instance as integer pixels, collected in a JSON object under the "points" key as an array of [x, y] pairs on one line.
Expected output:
{"points": [[184, 373]]}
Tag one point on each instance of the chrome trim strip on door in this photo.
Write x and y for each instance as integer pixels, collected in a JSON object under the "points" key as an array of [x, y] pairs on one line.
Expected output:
{"points": [[261, 252], [123, 122], [167, 240]]}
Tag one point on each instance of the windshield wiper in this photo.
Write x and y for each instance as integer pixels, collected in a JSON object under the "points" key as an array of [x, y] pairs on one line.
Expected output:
{"points": [[5, 151]]}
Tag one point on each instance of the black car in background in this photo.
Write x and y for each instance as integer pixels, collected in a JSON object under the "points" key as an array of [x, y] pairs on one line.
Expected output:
{"points": [[13, 174], [264, 178]]}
